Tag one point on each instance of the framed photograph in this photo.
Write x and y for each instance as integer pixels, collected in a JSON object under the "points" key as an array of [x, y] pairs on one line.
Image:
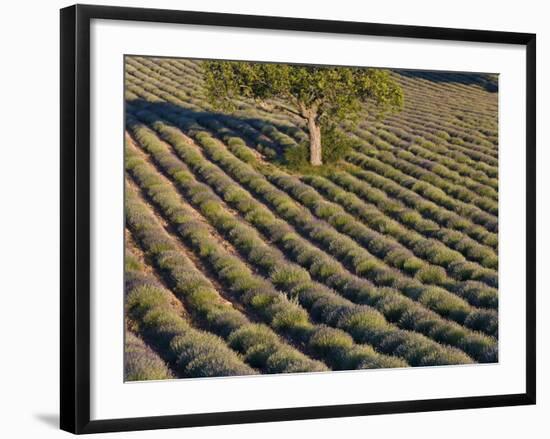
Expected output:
{"points": [[268, 218]]}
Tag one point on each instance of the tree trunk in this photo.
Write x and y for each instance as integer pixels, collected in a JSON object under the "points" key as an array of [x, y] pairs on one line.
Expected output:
{"points": [[315, 156]]}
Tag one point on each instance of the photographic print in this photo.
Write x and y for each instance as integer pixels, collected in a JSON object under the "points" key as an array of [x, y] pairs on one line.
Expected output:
{"points": [[314, 219], [287, 218]]}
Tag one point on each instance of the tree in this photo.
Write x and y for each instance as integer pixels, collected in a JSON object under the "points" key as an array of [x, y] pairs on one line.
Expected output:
{"points": [[321, 96]]}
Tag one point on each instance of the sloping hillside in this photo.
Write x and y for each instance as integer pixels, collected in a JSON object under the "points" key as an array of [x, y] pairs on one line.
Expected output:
{"points": [[236, 265]]}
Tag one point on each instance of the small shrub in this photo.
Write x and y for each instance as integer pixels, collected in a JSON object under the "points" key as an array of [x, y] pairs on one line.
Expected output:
{"points": [[364, 324], [413, 265], [205, 355], [481, 347], [248, 336], [483, 320], [331, 343], [289, 276], [291, 318], [291, 362], [141, 363], [445, 303], [431, 274]]}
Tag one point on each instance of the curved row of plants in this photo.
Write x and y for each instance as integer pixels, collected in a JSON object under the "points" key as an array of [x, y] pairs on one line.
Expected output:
{"points": [[472, 291], [381, 134], [187, 69], [454, 166], [423, 121], [456, 239], [415, 125], [474, 129], [141, 363], [321, 266], [416, 122], [189, 352], [345, 249], [194, 74], [422, 81], [456, 192], [259, 130], [427, 208], [266, 130], [478, 127], [214, 124], [430, 269], [191, 93], [434, 252], [473, 133], [426, 190], [468, 188], [430, 249], [260, 297], [449, 198], [421, 215], [364, 323], [484, 197], [259, 346]]}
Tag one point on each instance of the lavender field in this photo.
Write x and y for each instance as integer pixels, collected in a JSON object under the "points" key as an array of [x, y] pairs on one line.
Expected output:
{"points": [[239, 263]]}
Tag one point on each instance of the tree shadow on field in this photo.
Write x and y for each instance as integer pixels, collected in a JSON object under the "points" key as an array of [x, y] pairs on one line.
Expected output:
{"points": [[487, 81], [253, 130]]}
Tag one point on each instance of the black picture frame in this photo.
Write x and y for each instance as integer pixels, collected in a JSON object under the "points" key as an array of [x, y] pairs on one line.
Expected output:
{"points": [[75, 217]]}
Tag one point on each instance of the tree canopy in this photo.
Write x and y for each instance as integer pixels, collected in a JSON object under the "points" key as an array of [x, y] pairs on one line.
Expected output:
{"points": [[320, 95]]}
